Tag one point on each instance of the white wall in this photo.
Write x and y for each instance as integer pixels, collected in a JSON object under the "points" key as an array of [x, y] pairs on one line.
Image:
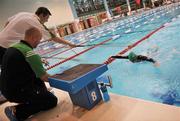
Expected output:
{"points": [[60, 9]]}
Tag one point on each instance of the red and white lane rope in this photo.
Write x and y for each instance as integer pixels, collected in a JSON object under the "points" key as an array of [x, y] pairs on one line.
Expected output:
{"points": [[67, 59]]}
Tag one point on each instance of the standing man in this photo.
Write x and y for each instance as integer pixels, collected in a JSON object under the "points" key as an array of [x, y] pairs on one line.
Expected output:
{"points": [[22, 79], [16, 26]]}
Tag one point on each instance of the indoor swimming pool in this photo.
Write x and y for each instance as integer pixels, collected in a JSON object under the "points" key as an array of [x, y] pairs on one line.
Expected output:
{"points": [[157, 34]]}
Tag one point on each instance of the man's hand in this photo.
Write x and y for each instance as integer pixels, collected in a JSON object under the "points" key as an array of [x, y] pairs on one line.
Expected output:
{"points": [[63, 41], [45, 62], [73, 45]]}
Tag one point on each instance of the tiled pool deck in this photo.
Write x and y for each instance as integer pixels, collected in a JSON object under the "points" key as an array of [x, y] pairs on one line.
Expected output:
{"points": [[119, 108]]}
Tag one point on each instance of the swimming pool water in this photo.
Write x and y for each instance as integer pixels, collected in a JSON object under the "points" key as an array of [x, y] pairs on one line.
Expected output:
{"points": [[139, 80]]}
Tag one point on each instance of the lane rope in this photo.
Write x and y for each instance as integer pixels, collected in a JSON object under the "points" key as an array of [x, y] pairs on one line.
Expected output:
{"points": [[67, 59]]}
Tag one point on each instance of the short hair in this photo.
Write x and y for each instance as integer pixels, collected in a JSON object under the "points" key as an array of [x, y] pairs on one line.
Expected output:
{"points": [[31, 31], [42, 10]]}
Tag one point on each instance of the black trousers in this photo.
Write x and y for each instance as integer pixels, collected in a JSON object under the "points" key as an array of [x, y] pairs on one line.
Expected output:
{"points": [[2, 51], [33, 101]]}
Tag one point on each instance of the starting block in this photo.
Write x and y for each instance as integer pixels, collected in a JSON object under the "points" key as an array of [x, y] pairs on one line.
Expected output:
{"points": [[80, 82]]}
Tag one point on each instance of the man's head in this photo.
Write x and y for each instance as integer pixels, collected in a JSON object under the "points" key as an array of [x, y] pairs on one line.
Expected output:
{"points": [[43, 13], [33, 36]]}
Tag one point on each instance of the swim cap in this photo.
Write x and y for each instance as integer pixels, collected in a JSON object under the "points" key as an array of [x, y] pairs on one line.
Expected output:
{"points": [[132, 57]]}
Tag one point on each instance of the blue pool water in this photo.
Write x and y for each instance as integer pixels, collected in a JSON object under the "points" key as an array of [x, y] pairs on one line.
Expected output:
{"points": [[140, 80]]}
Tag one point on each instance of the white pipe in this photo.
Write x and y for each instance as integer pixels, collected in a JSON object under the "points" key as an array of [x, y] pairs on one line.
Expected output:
{"points": [[107, 9], [129, 7]]}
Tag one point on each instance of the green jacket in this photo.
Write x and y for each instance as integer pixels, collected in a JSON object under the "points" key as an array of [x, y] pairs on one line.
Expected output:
{"points": [[32, 58]]}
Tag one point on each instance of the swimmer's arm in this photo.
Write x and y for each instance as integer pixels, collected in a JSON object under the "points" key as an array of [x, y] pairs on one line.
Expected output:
{"points": [[120, 57]]}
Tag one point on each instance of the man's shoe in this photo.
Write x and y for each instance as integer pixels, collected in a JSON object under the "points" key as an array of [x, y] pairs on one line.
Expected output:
{"points": [[10, 114]]}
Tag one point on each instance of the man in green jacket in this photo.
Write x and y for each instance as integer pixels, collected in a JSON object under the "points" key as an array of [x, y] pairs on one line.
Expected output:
{"points": [[22, 79]]}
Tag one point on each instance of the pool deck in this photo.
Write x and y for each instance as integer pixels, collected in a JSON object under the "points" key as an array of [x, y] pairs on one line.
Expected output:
{"points": [[119, 108]]}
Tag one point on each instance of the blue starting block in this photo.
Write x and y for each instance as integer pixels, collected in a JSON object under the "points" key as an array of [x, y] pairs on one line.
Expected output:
{"points": [[80, 82]]}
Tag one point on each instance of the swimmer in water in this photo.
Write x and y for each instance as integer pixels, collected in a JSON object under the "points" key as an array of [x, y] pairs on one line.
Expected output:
{"points": [[136, 58]]}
